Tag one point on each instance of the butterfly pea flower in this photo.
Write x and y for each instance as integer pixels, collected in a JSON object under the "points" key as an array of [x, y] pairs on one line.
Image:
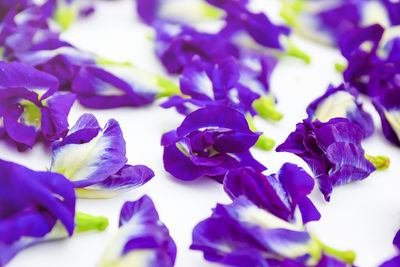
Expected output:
{"points": [[205, 84], [243, 234], [58, 58], [387, 103], [175, 45], [30, 107], [280, 194], [360, 48], [109, 85], [93, 158], [239, 20], [142, 239], [341, 102], [176, 11], [242, 84], [332, 150], [23, 28], [209, 142], [328, 21], [37, 207]]}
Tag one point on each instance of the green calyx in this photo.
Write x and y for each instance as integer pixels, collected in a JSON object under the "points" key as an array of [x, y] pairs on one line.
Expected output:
{"points": [[85, 222], [103, 61], [339, 67], [265, 107], [65, 15], [167, 87], [347, 256], [380, 162], [294, 51], [263, 142]]}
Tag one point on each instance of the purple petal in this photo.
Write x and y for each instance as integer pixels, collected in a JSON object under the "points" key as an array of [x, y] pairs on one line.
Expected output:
{"points": [[141, 232], [55, 116], [91, 162]]}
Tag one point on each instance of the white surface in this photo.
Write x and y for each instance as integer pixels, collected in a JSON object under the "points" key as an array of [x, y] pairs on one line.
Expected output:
{"points": [[362, 216]]}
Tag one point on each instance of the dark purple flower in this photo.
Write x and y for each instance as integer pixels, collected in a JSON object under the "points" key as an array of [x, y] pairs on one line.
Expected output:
{"points": [[210, 141], [279, 194], [329, 21], [332, 150], [142, 238], [242, 234], [115, 85], [29, 105], [242, 85], [175, 46], [59, 59], [32, 204], [212, 84], [387, 103], [94, 160], [24, 28], [341, 102], [365, 70], [240, 19]]}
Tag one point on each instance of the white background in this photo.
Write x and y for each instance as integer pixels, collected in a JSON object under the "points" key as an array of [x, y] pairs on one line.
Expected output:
{"points": [[363, 216]]}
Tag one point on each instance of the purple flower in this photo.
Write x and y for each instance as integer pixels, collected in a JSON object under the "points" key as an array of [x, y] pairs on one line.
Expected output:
{"points": [[175, 46], [332, 150], [279, 194], [365, 67], [241, 20], [116, 85], [329, 21], [341, 102], [212, 84], [32, 204], [387, 103], [29, 106], [25, 27], [57, 58], [242, 234], [141, 239], [242, 86], [94, 159], [210, 141]]}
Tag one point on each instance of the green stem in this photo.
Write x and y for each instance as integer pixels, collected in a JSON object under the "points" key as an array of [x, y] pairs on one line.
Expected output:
{"points": [[380, 162], [294, 51], [263, 142], [168, 88], [347, 256], [85, 222], [265, 106]]}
